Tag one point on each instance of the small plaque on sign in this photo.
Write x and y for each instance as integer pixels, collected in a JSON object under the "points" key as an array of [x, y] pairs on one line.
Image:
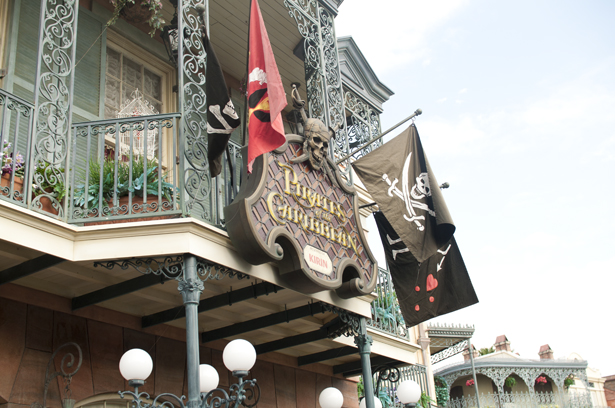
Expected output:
{"points": [[318, 260]]}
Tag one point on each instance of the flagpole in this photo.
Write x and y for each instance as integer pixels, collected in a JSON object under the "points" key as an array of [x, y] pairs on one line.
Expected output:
{"points": [[416, 113], [246, 117]]}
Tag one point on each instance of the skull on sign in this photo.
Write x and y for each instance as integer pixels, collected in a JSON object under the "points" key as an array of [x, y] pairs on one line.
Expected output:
{"points": [[422, 187], [317, 138]]}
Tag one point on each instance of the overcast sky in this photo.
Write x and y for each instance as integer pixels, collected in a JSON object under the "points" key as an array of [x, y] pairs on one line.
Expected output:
{"points": [[518, 104]]}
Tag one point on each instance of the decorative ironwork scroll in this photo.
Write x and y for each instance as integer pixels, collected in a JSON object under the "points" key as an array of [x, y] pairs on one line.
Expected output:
{"points": [[53, 98], [363, 124], [352, 322], [450, 351], [386, 373], [67, 371], [322, 72], [172, 267], [197, 196]]}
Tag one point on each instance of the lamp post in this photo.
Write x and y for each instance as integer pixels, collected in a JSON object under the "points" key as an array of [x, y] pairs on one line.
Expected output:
{"points": [[239, 357], [408, 393], [377, 403], [331, 398], [170, 36]]}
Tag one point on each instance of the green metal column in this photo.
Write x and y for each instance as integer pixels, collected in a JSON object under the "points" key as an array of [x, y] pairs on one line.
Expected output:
{"points": [[364, 343], [191, 288]]}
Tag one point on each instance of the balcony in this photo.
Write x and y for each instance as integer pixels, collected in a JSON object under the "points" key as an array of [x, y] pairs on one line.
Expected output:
{"points": [[117, 170]]}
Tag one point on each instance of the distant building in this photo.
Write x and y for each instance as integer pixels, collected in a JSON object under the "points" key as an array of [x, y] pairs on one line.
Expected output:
{"points": [[504, 377]]}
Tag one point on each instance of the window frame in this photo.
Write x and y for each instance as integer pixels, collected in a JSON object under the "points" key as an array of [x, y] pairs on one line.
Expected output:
{"points": [[153, 63]]}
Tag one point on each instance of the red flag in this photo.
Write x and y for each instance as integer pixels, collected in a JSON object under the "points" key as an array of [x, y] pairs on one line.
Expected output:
{"points": [[266, 97]]}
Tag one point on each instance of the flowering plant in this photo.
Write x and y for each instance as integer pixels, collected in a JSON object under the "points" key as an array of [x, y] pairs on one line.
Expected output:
{"points": [[470, 382], [541, 379], [152, 9], [7, 161]]}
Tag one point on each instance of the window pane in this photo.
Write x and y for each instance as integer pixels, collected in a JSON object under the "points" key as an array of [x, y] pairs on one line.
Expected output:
{"points": [[112, 93], [113, 63], [152, 85], [132, 73]]}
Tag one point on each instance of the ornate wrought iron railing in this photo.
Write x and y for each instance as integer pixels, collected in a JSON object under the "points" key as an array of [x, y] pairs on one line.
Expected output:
{"points": [[386, 315], [124, 168], [524, 400], [387, 387], [16, 121]]}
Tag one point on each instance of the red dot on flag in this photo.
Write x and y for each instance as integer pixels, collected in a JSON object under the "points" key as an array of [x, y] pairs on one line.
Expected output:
{"points": [[431, 299], [417, 308], [418, 289]]}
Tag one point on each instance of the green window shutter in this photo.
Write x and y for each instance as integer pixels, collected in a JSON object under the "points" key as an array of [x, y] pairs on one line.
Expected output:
{"points": [[89, 70], [27, 47]]}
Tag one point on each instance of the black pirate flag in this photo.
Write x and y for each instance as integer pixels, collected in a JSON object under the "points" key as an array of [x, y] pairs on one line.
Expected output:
{"points": [[399, 178], [437, 286], [221, 116]]}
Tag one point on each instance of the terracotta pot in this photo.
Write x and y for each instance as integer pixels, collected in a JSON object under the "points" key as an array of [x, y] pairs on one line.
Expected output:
{"points": [[123, 202], [136, 13], [17, 186]]}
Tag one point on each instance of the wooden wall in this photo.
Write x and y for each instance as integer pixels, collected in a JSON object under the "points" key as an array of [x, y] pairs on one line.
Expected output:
{"points": [[29, 334]]}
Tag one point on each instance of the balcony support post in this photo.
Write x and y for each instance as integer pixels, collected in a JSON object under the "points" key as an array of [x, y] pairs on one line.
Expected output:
{"points": [[53, 100], [191, 288], [364, 343], [198, 195]]}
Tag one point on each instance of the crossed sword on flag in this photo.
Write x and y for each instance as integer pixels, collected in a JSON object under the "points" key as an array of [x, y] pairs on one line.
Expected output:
{"points": [[405, 196]]}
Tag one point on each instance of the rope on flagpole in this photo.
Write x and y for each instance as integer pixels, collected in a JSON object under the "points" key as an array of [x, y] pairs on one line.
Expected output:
{"points": [[415, 114]]}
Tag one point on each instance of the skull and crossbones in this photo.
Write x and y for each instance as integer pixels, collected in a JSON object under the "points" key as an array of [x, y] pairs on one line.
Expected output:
{"points": [[317, 138]]}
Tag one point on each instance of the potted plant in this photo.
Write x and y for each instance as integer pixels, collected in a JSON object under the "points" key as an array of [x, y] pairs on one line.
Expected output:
{"points": [[48, 184], [8, 161], [441, 391], [510, 382], [568, 381], [144, 181], [541, 380], [138, 11], [470, 382]]}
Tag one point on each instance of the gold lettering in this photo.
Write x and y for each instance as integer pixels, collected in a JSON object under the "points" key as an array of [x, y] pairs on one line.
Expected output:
{"points": [[287, 181], [340, 213], [314, 227], [324, 230], [351, 241], [270, 206], [296, 213]]}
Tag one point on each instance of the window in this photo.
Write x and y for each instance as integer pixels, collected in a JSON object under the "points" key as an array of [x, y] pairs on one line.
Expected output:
{"points": [[137, 83], [124, 76], [130, 67]]}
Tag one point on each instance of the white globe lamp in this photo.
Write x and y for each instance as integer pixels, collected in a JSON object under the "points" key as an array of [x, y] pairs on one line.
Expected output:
{"points": [[208, 378], [377, 403], [239, 357], [408, 392], [135, 366], [331, 398]]}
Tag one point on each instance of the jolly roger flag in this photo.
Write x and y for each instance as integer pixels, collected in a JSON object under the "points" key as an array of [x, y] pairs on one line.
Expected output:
{"points": [[432, 288], [266, 97], [221, 116], [401, 182]]}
